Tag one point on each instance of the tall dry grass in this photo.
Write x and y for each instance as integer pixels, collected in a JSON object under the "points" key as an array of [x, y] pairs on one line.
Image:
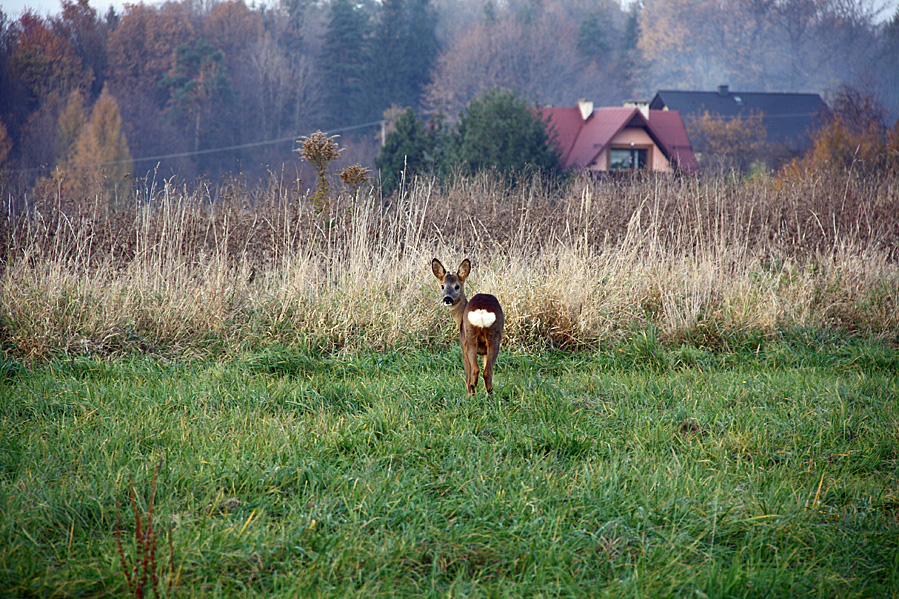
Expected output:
{"points": [[197, 271]]}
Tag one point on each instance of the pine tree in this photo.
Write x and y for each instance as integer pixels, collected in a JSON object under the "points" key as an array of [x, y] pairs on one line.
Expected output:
{"points": [[343, 60], [386, 75], [422, 47], [592, 39], [199, 87], [501, 131], [402, 54], [405, 150]]}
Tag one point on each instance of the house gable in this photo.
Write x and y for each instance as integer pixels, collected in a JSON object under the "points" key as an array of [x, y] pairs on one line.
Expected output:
{"points": [[637, 138], [586, 143]]}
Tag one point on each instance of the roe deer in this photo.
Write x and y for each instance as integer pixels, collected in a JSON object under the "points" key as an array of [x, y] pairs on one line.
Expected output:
{"points": [[480, 323]]}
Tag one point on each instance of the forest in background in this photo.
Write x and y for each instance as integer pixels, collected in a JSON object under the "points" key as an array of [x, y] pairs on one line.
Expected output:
{"points": [[206, 89]]}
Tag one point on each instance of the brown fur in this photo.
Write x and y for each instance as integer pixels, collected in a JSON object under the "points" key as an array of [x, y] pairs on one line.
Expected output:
{"points": [[475, 340]]}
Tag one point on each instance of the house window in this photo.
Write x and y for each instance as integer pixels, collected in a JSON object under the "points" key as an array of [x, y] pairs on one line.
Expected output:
{"points": [[624, 159]]}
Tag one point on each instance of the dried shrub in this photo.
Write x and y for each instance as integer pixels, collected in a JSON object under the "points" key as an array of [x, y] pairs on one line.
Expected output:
{"points": [[320, 151], [354, 177], [854, 140], [723, 143]]}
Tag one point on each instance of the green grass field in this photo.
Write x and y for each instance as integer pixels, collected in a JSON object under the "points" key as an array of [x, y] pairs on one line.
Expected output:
{"points": [[635, 471], [258, 396]]}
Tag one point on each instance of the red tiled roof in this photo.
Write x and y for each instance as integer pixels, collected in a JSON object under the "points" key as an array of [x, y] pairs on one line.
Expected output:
{"points": [[669, 126], [581, 141]]}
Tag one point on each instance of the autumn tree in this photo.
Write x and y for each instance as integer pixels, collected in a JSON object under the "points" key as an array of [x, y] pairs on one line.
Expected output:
{"points": [[856, 139], [142, 48], [232, 27], [13, 94], [71, 121], [697, 44], [43, 61], [141, 52], [101, 164], [79, 24], [40, 68]]}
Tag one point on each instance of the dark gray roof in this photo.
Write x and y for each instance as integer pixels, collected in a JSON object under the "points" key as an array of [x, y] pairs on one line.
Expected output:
{"points": [[788, 117]]}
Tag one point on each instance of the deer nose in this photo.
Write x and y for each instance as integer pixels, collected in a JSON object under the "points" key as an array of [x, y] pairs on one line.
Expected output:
{"points": [[448, 300]]}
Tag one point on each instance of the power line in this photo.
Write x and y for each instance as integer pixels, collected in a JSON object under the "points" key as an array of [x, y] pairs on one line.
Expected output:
{"points": [[254, 144]]}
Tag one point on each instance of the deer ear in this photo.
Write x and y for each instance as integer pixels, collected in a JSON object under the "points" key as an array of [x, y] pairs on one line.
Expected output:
{"points": [[464, 269], [438, 269]]}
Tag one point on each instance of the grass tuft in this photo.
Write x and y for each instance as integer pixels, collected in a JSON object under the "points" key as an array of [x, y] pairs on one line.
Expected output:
{"points": [[711, 263]]}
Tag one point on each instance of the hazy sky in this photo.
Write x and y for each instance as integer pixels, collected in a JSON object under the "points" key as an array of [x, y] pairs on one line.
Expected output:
{"points": [[14, 8]]}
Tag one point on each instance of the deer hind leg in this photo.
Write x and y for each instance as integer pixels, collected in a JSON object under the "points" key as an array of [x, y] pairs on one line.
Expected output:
{"points": [[470, 356], [489, 361]]}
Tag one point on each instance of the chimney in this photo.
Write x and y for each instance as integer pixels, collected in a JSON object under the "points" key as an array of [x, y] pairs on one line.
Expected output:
{"points": [[723, 91], [643, 107], [586, 108]]}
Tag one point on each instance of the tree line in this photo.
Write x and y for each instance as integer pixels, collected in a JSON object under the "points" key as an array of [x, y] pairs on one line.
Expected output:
{"points": [[205, 88]]}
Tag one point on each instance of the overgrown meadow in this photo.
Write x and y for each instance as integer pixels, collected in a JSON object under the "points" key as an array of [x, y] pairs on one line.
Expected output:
{"points": [[236, 392]]}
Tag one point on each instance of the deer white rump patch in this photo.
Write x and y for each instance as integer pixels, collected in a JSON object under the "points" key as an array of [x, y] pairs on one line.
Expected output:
{"points": [[481, 318]]}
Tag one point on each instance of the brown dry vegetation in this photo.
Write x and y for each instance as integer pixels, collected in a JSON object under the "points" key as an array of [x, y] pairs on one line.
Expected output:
{"points": [[713, 262]]}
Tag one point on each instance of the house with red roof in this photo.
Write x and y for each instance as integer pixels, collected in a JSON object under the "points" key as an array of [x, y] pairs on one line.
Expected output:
{"points": [[619, 138]]}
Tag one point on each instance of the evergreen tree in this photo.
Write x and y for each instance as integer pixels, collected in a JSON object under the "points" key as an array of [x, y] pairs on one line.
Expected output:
{"points": [[490, 14], [422, 46], [292, 37], [198, 90], [386, 74], [405, 149], [343, 64], [501, 131], [592, 39], [402, 53]]}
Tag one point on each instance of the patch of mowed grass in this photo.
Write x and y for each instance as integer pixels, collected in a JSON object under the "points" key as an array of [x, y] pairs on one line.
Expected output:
{"points": [[639, 470]]}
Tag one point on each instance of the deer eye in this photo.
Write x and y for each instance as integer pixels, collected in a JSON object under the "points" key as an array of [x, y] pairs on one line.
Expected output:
{"points": [[457, 287]]}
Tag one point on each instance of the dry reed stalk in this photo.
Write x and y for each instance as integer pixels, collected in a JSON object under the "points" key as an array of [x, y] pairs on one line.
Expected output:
{"points": [[698, 260]]}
